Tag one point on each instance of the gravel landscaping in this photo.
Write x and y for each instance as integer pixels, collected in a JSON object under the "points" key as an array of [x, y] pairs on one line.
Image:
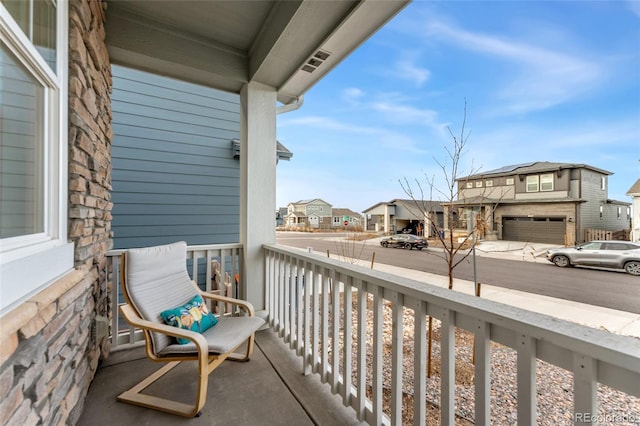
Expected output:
{"points": [[554, 385]]}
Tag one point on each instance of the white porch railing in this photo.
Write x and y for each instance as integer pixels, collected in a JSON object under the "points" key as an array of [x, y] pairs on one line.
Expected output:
{"points": [[320, 308], [229, 256]]}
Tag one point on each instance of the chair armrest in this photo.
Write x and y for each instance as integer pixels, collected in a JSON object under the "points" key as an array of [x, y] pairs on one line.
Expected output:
{"points": [[247, 306], [134, 319]]}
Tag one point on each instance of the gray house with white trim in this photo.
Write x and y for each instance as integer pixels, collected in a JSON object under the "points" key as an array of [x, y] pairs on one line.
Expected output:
{"points": [[542, 202]]}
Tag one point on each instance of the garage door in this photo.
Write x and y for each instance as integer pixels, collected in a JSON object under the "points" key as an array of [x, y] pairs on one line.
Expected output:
{"points": [[534, 229]]}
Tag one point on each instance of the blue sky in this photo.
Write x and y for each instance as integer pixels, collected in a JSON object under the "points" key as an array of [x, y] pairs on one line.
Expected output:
{"points": [[543, 81]]}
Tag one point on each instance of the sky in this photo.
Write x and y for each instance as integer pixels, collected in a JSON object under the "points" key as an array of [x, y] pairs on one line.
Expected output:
{"points": [[551, 81]]}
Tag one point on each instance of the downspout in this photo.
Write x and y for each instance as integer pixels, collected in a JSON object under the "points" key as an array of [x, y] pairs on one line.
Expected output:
{"points": [[290, 106]]}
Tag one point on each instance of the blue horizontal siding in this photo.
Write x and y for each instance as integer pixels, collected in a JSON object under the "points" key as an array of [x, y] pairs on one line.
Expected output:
{"points": [[174, 175]]}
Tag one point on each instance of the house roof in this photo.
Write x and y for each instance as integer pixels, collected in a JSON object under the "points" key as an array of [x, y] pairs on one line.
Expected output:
{"points": [[309, 201], [344, 212], [635, 189], [533, 167], [426, 205], [288, 45]]}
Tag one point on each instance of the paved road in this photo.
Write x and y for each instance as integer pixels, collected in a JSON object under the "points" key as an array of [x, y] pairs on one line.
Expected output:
{"points": [[610, 289]]}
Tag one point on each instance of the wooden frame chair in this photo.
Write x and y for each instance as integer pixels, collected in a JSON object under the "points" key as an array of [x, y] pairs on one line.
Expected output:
{"points": [[155, 279]]}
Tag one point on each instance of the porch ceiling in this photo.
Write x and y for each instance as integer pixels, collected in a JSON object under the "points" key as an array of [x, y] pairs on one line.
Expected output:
{"points": [[225, 44]]}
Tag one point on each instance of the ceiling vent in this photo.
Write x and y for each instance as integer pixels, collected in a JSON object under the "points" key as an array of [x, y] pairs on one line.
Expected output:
{"points": [[315, 61]]}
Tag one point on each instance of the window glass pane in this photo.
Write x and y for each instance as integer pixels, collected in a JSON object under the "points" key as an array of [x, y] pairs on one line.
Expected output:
{"points": [[44, 30], [37, 19], [546, 182], [21, 146], [532, 183], [20, 11]]}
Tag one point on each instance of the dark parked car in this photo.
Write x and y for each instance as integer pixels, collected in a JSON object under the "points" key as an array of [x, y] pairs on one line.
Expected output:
{"points": [[407, 241], [606, 254]]}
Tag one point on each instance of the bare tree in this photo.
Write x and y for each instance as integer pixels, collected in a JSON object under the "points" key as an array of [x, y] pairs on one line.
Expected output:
{"points": [[454, 252]]}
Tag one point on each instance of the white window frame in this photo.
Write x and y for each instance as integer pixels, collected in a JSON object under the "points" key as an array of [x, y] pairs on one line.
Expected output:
{"points": [[469, 185], [510, 181], [488, 183], [531, 180], [32, 262], [478, 184], [546, 179], [603, 183]]}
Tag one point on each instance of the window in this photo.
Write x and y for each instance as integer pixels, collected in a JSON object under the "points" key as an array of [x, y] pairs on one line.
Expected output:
{"points": [[601, 212], [510, 181], [603, 183], [488, 183], [532, 183], [619, 211], [33, 137], [478, 184], [469, 185], [546, 182]]}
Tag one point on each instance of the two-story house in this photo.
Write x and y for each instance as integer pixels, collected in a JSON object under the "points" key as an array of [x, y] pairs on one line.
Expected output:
{"points": [[541, 202], [314, 213]]}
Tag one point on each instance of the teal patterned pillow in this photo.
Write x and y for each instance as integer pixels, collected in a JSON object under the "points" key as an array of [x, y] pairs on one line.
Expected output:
{"points": [[193, 315]]}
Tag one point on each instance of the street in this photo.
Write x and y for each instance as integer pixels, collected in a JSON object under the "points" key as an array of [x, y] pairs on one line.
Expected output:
{"points": [[610, 289]]}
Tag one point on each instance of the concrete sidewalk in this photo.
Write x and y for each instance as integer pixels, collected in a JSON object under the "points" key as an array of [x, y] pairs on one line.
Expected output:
{"points": [[619, 322]]}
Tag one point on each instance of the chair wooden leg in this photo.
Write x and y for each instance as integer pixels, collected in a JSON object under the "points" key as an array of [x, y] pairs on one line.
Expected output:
{"points": [[136, 397], [247, 355]]}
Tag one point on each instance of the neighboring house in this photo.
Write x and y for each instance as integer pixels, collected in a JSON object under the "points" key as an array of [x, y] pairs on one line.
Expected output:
{"points": [[541, 202], [280, 215], [57, 133], [634, 193], [409, 215], [341, 215], [314, 213]]}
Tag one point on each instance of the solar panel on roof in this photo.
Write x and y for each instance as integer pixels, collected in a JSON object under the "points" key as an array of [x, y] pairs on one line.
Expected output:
{"points": [[511, 168]]}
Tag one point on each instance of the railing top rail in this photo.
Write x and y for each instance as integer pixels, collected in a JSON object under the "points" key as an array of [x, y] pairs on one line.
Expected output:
{"points": [[226, 246], [622, 351]]}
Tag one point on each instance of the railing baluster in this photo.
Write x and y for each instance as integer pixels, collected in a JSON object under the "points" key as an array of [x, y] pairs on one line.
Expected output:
{"points": [[585, 388], [447, 367], [269, 274], [347, 346], [316, 318], [335, 335], [526, 380], [308, 318], [482, 353], [378, 305], [419, 362], [299, 288], [326, 284], [397, 340], [362, 350], [281, 285], [293, 273], [286, 283]]}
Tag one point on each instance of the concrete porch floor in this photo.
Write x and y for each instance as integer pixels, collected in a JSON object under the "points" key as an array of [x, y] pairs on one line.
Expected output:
{"points": [[270, 389]]}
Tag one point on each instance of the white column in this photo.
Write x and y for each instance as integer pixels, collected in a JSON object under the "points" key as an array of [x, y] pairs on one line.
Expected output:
{"points": [[257, 185], [386, 218]]}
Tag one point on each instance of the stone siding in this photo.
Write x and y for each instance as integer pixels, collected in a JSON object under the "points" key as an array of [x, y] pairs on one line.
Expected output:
{"points": [[48, 355]]}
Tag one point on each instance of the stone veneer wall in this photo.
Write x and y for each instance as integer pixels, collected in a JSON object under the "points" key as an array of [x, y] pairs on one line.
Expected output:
{"points": [[48, 356]]}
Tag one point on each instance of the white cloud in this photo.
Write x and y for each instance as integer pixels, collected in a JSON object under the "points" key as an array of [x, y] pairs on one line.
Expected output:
{"points": [[406, 69], [405, 114], [634, 6], [352, 95], [543, 77]]}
